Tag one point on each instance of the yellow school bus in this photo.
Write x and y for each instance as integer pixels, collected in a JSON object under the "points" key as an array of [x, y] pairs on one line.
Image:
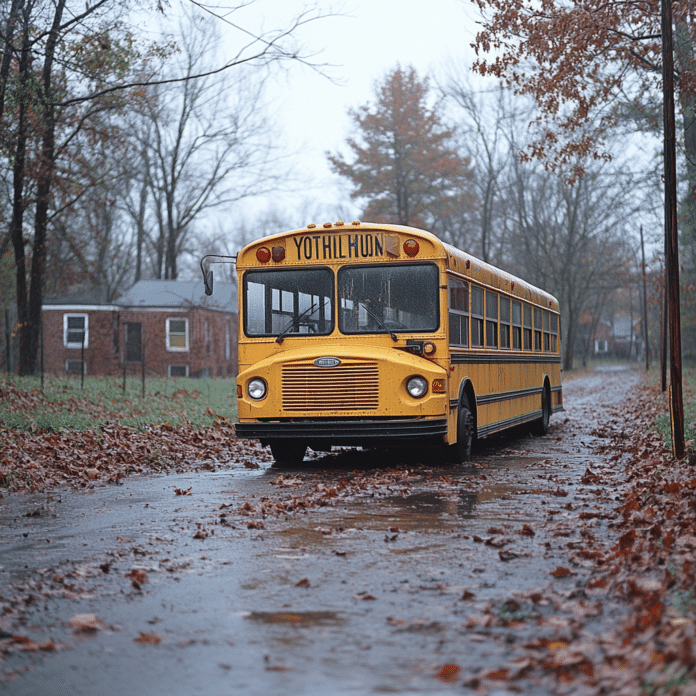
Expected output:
{"points": [[382, 335]]}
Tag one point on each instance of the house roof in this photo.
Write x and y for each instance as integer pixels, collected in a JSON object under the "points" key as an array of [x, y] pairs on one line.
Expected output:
{"points": [[179, 293], [155, 294]]}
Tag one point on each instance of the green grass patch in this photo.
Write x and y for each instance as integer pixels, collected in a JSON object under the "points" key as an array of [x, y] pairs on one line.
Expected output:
{"points": [[63, 403], [689, 396]]}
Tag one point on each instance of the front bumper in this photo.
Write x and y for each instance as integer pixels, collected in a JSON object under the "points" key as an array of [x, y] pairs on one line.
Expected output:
{"points": [[345, 432]]}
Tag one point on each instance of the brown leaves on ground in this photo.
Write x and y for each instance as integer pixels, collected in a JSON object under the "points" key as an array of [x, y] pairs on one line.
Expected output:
{"points": [[647, 576], [40, 460]]}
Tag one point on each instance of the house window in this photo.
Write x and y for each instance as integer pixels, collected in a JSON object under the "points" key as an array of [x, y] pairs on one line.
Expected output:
{"points": [[134, 341], [177, 335], [178, 371], [75, 367], [75, 330]]}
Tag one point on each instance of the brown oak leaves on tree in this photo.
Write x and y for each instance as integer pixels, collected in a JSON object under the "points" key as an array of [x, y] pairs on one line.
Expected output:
{"points": [[586, 64], [404, 161]]}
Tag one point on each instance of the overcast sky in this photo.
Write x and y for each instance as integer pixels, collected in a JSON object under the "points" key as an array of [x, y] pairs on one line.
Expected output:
{"points": [[362, 45]]}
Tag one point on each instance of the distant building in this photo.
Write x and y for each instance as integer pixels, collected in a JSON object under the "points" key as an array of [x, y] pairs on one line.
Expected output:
{"points": [[621, 338], [170, 325]]}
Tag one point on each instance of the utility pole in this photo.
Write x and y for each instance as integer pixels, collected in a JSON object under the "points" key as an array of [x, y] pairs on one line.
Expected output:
{"points": [[676, 404], [645, 302]]}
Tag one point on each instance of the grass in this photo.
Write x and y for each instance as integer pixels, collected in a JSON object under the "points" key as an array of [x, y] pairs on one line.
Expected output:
{"points": [[689, 398], [63, 404]]}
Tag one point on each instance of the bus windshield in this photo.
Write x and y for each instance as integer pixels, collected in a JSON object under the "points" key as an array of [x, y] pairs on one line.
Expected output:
{"points": [[280, 302], [375, 299]]}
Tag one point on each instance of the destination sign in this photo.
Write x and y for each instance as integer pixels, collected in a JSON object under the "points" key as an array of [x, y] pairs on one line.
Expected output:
{"points": [[325, 247]]}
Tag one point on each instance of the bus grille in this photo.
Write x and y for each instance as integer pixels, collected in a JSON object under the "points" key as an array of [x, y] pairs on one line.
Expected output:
{"points": [[352, 385]]}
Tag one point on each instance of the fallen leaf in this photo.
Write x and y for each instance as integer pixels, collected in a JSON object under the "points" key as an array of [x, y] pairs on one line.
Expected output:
{"points": [[149, 637], [86, 623], [560, 572], [448, 672]]}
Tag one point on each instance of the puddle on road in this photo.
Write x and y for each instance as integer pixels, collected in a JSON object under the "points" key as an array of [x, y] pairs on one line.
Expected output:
{"points": [[300, 618]]}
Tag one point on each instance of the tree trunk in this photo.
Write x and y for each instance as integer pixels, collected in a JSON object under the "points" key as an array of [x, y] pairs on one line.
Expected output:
{"points": [[28, 358]]}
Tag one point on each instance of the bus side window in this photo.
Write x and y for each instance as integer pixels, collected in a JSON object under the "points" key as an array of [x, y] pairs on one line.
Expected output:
{"points": [[458, 312], [537, 329], [504, 322], [527, 327], [477, 317], [516, 326], [554, 333], [491, 319], [547, 334]]}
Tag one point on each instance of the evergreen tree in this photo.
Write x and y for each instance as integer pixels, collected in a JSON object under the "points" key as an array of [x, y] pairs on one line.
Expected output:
{"points": [[404, 162]]}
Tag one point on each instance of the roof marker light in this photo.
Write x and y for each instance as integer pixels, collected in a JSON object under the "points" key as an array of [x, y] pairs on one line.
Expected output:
{"points": [[311, 226], [327, 225], [356, 222]]}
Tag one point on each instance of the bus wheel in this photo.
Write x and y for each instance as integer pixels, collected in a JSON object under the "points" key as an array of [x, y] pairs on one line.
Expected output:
{"points": [[288, 451], [541, 426], [465, 432]]}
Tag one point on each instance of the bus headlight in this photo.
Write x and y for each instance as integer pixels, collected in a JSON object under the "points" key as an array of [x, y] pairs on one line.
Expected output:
{"points": [[417, 386], [257, 389]]}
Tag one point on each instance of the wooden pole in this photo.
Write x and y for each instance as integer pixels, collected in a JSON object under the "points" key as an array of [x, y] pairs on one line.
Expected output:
{"points": [[676, 404], [645, 302]]}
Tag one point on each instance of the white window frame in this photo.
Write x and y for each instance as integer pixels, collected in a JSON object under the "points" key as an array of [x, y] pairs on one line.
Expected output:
{"points": [[65, 330], [174, 349]]}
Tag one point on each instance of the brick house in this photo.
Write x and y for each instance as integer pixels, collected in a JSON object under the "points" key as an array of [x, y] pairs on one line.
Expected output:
{"points": [[171, 325]]}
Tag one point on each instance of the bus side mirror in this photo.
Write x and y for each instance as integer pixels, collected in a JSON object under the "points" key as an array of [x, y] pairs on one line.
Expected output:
{"points": [[208, 282]]}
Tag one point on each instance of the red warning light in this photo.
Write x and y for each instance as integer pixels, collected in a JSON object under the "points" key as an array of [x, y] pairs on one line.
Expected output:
{"points": [[411, 247], [263, 254], [278, 253]]}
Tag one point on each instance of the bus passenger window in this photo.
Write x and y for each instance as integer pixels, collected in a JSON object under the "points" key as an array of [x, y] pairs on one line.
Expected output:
{"points": [[516, 326], [547, 335], [491, 319], [527, 327], [554, 333], [504, 322], [458, 312], [537, 329], [477, 317]]}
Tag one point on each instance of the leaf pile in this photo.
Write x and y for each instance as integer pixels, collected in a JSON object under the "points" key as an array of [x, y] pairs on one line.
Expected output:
{"points": [[40, 459], [643, 583]]}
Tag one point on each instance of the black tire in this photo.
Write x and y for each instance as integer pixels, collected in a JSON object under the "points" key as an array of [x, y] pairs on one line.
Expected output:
{"points": [[465, 433], [541, 426], [288, 452]]}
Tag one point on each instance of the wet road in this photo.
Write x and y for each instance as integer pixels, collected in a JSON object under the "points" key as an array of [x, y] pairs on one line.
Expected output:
{"points": [[354, 574]]}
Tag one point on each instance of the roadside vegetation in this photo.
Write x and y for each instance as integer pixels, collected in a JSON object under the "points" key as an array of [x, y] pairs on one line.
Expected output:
{"points": [[80, 436], [66, 403]]}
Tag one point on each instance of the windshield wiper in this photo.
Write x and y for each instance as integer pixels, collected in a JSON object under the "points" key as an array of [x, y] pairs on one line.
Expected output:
{"points": [[379, 321], [296, 322]]}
